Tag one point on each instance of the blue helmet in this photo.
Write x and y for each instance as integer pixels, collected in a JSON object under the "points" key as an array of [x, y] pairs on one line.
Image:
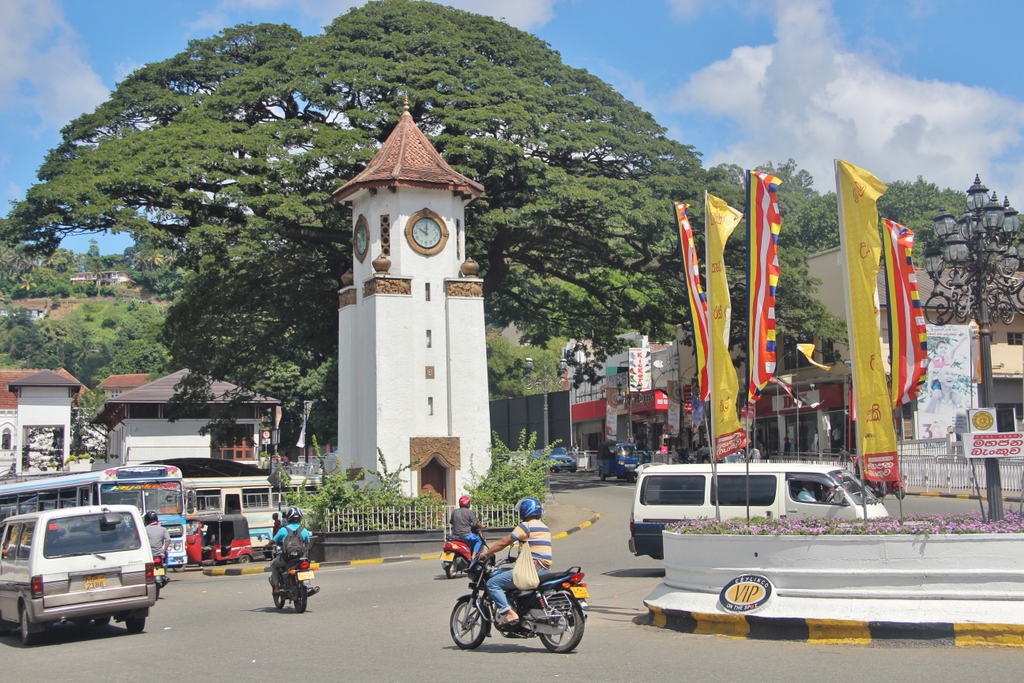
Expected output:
{"points": [[529, 507]]}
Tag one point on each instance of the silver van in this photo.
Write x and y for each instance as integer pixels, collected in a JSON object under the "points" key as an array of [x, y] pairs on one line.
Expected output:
{"points": [[75, 564], [670, 493]]}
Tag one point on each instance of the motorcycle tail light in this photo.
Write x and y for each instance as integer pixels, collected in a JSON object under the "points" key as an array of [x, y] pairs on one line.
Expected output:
{"points": [[150, 573], [448, 547], [157, 561], [304, 565], [576, 578], [37, 586]]}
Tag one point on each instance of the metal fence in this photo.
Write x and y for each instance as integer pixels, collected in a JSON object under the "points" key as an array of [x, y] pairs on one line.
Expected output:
{"points": [[422, 519]]}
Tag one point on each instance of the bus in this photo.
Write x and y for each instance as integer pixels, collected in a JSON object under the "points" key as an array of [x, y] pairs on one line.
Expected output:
{"points": [[147, 487], [250, 496]]}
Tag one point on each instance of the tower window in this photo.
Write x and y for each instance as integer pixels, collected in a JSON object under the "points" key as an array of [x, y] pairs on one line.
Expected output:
{"points": [[428, 291], [430, 341], [430, 405], [1015, 338]]}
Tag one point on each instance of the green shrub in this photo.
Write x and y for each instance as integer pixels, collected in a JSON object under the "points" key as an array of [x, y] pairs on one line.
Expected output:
{"points": [[512, 475]]}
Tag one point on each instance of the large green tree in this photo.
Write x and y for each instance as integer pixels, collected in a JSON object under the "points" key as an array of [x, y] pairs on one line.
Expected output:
{"points": [[226, 155]]}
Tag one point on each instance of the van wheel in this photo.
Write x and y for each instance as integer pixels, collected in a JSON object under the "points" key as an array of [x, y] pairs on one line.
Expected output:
{"points": [[27, 637], [135, 624]]}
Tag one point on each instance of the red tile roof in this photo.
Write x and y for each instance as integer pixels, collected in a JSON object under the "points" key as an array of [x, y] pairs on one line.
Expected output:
{"points": [[124, 381], [407, 159], [8, 399]]}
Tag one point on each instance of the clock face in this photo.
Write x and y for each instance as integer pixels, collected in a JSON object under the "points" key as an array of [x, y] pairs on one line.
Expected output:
{"points": [[362, 238], [426, 232]]}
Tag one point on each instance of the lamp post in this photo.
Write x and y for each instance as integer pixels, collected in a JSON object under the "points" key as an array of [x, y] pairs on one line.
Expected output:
{"points": [[547, 383], [974, 276]]}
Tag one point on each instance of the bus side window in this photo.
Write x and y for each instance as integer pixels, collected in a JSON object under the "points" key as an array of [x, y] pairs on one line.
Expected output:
{"points": [[83, 495], [232, 504], [190, 501]]}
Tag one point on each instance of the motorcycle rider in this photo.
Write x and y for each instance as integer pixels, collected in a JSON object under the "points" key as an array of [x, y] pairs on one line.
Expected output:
{"points": [[465, 525], [293, 522], [530, 529], [158, 537]]}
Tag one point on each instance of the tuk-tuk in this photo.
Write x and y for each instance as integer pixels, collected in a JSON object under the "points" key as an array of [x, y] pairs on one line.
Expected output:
{"points": [[616, 459], [216, 539]]}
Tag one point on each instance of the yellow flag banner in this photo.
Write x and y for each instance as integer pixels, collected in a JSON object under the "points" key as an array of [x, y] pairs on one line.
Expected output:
{"points": [[730, 437], [861, 245]]}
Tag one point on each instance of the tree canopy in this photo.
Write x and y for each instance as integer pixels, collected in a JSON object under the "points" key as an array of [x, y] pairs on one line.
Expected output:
{"points": [[227, 153]]}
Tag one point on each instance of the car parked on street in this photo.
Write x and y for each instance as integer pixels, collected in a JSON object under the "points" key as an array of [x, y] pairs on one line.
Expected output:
{"points": [[559, 460]]}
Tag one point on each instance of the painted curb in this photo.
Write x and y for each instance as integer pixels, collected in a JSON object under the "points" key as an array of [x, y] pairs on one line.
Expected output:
{"points": [[836, 631], [959, 496], [240, 571]]}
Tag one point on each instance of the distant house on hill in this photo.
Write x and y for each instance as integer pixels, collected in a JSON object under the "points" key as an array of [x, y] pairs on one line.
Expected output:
{"points": [[100, 279], [34, 399], [140, 430], [115, 385], [33, 313]]}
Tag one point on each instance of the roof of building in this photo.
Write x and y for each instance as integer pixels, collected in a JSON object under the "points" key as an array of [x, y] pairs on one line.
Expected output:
{"points": [[125, 381], [407, 159], [9, 400], [161, 390]]}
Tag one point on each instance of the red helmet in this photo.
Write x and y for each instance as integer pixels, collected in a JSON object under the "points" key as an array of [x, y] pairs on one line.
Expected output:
{"points": [[464, 502]]}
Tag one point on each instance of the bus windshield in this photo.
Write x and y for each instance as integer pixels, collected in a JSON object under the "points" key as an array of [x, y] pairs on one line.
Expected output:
{"points": [[162, 497]]}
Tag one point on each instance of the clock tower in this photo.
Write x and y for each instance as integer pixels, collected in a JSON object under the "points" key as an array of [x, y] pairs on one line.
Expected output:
{"points": [[412, 358]]}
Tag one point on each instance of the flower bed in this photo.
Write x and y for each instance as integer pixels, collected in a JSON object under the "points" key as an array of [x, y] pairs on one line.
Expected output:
{"points": [[971, 523]]}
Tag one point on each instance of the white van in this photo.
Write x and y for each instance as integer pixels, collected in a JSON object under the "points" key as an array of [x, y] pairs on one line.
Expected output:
{"points": [[75, 564], [670, 493]]}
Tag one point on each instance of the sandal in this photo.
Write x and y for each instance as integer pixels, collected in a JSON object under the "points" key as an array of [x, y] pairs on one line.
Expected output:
{"points": [[504, 620]]}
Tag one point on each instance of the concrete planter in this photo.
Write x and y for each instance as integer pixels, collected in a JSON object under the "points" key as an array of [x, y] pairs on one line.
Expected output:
{"points": [[906, 578]]}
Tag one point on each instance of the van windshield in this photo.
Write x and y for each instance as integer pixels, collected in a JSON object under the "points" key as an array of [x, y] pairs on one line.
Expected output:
{"points": [[853, 487], [86, 535]]}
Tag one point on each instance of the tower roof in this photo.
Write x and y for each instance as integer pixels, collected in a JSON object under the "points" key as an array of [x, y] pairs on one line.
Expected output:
{"points": [[407, 159]]}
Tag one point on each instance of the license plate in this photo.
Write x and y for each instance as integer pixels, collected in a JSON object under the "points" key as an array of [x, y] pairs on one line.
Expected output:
{"points": [[580, 592], [305, 576], [158, 572], [448, 557], [94, 581]]}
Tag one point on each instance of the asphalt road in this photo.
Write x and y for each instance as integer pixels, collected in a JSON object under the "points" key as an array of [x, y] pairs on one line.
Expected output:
{"points": [[390, 623]]}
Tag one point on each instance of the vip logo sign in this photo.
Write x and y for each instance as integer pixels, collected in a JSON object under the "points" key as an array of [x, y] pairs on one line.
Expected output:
{"points": [[747, 593]]}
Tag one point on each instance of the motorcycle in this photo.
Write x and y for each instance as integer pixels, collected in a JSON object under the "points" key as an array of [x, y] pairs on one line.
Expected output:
{"points": [[458, 555], [882, 488], [295, 583], [555, 612], [160, 573]]}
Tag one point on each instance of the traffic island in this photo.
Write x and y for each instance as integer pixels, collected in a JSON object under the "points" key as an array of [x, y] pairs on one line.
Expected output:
{"points": [[830, 582]]}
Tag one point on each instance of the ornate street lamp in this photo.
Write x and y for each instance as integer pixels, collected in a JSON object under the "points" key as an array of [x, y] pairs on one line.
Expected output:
{"points": [[974, 276], [545, 382]]}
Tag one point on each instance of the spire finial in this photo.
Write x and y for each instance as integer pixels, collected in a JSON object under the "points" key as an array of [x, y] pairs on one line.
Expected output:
{"points": [[407, 103]]}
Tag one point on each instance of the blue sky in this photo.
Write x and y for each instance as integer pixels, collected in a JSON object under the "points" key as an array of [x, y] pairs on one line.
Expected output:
{"points": [[901, 87]]}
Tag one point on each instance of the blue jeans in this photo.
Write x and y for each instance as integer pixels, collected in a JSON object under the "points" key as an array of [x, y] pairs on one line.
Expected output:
{"points": [[501, 582], [474, 542]]}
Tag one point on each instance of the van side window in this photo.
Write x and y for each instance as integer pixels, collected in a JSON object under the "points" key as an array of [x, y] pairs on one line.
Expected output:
{"points": [[669, 489], [734, 489], [25, 547], [813, 488], [10, 544]]}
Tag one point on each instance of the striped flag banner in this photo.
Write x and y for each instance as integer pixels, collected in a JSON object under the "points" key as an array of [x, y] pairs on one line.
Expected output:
{"points": [[695, 294], [908, 331], [763, 225]]}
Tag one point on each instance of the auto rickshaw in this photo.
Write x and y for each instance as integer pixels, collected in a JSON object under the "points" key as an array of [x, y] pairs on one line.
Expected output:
{"points": [[217, 539], [618, 460]]}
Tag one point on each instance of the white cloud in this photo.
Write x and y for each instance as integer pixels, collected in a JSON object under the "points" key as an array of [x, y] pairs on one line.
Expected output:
{"points": [[686, 9], [525, 14], [41, 64], [805, 97]]}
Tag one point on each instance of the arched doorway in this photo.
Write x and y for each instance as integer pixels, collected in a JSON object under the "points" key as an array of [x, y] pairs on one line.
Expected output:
{"points": [[434, 475]]}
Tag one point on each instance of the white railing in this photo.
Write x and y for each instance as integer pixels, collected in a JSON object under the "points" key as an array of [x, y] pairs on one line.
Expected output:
{"points": [[396, 519]]}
